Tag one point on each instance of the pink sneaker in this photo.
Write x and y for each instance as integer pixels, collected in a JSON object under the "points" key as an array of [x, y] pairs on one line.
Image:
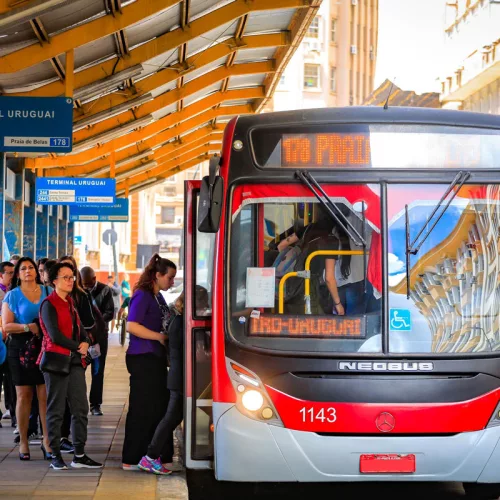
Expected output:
{"points": [[155, 466]]}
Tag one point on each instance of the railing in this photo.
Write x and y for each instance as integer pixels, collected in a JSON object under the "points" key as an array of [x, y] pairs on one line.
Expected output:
{"points": [[306, 274]]}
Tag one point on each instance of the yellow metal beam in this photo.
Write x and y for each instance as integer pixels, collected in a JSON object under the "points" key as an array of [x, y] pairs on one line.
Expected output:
{"points": [[104, 26], [126, 153], [153, 49], [164, 77], [162, 167], [83, 34], [21, 9], [161, 129], [69, 77], [169, 120], [169, 98]]}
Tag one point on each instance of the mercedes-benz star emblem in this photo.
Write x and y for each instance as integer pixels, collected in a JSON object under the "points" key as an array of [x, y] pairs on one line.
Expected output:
{"points": [[385, 422]]}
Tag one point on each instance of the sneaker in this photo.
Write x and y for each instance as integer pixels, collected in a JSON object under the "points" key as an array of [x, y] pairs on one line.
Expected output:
{"points": [[16, 430], [66, 446], [153, 465], [96, 411], [35, 438], [58, 463], [85, 463], [130, 467], [6, 415], [174, 467]]}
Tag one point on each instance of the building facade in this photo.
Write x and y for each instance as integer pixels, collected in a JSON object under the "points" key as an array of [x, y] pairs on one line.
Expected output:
{"points": [[471, 76], [335, 63]]}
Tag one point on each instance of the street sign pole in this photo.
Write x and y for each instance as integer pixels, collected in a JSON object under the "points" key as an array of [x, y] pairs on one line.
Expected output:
{"points": [[115, 263]]}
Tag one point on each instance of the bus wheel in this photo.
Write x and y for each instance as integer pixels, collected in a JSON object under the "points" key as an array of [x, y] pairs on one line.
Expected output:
{"points": [[482, 491], [123, 332]]}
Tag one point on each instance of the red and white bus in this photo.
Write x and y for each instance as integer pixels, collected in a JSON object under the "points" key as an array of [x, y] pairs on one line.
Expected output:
{"points": [[343, 299]]}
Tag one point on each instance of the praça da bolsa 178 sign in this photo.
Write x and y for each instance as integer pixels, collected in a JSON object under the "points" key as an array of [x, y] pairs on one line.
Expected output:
{"points": [[36, 124]]}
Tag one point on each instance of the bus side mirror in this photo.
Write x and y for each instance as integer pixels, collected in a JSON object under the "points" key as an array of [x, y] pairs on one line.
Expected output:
{"points": [[211, 198]]}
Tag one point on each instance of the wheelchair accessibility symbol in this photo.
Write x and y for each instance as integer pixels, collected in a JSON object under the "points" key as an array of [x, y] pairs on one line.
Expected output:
{"points": [[400, 320]]}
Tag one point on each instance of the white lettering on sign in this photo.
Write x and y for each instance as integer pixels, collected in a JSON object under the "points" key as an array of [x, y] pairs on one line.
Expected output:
{"points": [[76, 182], [322, 415], [29, 113], [27, 142]]}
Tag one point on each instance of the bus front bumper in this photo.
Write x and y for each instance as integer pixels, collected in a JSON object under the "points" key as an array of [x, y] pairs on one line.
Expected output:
{"points": [[248, 450]]}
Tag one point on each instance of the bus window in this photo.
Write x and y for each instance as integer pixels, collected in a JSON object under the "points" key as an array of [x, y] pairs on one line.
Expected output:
{"points": [[454, 292], [276, 232]]}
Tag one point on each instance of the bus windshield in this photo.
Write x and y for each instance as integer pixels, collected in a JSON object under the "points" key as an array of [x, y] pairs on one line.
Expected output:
{"points": [[298, 279]]}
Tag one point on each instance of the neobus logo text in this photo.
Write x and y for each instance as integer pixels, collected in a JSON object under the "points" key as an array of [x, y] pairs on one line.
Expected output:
{"points": [[385, 367]]}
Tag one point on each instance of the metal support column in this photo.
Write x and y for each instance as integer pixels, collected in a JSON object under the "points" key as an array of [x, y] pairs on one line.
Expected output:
{"points": [[29, 226], [2, 201], [62, 235], [42, 231], [70, 249], [53, 231], [14, 208]]}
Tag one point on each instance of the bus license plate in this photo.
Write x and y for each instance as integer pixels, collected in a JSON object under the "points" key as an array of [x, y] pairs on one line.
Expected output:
{"points": [[387, 464]]}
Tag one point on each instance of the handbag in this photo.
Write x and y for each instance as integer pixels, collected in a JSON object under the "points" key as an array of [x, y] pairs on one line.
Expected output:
{"points": [[28, 355]]}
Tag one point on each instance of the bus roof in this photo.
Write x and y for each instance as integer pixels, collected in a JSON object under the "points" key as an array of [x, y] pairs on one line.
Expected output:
{"points": [[372, 114]]}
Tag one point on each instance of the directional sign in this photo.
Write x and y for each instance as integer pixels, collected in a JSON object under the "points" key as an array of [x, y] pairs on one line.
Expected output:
{"points": [[36, 124], [109, 236], [78, 240], [74, 191], [116, 212]]}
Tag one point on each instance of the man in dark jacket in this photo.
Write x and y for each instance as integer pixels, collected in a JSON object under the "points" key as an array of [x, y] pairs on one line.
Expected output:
{"points": [[103, 299]]}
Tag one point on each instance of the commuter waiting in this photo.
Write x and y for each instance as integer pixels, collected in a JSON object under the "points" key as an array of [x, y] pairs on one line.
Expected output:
{"points": [[20, 310], [63, 362]]}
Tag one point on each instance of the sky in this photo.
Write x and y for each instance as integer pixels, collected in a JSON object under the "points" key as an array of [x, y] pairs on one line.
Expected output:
{"points": [[410, 45]]}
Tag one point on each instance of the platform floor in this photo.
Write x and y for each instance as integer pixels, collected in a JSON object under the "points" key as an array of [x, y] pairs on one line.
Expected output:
{"points": [[34, 479]]}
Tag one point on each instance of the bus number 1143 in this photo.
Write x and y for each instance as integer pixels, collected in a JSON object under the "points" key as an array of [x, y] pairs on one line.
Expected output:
{"points": [[322, 415]]}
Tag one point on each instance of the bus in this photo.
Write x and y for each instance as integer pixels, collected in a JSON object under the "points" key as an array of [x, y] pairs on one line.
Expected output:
{"points": [[342, 288]]}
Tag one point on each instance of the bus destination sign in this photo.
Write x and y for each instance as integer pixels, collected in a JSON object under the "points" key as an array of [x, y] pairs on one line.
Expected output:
{"points": [[325, 150], [307, 326]]}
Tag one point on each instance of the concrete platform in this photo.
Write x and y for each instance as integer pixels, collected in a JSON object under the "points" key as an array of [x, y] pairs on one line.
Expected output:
{"points": [[34, 479]]}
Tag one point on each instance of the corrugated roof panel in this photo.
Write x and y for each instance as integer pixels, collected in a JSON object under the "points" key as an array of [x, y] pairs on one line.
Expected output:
{"points": [[74, 13], [164, 111], [255, 55], [16, 37], [93, 52], [201, 7], [269, 21], [154, 26], [211, 38], [164, 88], [29, 78], [246, 81], [205, 69], [162, 61], [237, 102], [201, 94]]}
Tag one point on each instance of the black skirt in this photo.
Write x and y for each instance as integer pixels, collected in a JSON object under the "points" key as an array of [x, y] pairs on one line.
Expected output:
{"points": [[20, 375]]}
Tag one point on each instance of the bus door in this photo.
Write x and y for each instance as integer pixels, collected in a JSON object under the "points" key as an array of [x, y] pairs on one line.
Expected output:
{"points": [[198, 266]]}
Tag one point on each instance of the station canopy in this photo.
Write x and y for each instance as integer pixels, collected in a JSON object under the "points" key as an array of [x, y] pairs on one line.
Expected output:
{"points": [[154, 82]]}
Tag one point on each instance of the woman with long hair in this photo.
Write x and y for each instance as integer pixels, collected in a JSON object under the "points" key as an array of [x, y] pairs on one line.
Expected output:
{"points": [[147, 323], [63, 362], [20, 309], [159, 458]]}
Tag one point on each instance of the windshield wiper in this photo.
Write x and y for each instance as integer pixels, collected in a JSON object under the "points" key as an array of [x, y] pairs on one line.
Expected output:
{"points": [[331, 208], [412, 247]]}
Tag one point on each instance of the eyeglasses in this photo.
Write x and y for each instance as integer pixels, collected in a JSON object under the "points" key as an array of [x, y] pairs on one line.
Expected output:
{"points": [[66, 278]]}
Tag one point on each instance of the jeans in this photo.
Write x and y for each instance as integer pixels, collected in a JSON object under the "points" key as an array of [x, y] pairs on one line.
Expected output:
{"points": [[162, 443], [73, 388], [352, 297]]}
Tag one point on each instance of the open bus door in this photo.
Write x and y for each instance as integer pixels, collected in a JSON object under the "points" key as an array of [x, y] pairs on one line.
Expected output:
{"points": [[198, 266]]}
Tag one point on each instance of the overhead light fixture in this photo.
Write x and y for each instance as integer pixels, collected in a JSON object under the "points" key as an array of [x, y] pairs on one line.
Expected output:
{"points": [[109, 113], [137, 170], [112, 134], [106, 84]]}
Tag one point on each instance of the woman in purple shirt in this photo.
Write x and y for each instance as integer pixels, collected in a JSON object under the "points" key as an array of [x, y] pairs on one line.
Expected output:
{"points": [[147, 324]]}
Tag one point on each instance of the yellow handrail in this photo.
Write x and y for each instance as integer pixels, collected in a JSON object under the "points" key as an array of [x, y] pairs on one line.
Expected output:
{"points": [[306, 275]]}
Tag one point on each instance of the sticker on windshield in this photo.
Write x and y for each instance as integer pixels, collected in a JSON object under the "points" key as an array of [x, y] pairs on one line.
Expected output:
{"points": [[400, 320]]}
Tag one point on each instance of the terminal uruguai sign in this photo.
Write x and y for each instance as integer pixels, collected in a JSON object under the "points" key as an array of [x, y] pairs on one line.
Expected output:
{"points": [[325, 150], [308, 326]]}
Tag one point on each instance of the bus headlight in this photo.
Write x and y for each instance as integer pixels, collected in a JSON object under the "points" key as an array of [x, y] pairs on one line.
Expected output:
{"points": [[252, 400]]}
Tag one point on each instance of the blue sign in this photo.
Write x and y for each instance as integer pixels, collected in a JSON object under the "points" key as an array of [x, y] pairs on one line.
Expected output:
{"points": [[74, 191], [400, 320], [116, 212], [78, 240], [36, 124]]}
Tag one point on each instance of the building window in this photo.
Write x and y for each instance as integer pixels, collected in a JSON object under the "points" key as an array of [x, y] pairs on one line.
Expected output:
{"points": [[167, 215], [311, 76], [333, 31], [333, 79], [282, 82], [313, 30], [172, 179]]}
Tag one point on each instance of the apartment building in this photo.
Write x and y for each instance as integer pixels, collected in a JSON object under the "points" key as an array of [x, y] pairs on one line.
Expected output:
{"points": [[335, 63]]}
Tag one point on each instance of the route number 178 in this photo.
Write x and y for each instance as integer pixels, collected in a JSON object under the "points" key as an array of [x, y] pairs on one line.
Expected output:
{"points": [[309, 415]]}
